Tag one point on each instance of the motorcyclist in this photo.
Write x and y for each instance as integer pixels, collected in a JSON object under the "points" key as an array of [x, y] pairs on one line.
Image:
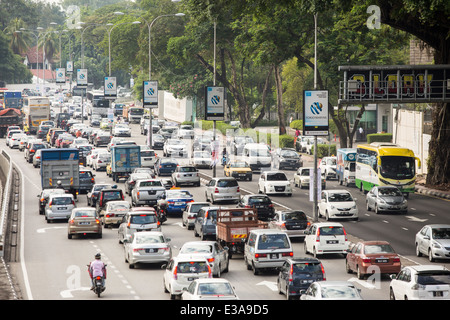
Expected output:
{"points": [[97, 268], [224, 156]]}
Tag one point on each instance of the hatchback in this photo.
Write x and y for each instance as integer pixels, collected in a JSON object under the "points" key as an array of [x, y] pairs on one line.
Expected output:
{"points": [[92, 195], [186, 175], [147, 247], [421, 282], [84, 221], [165, 166], [190, 213], [386, 199], [222, 189], [433, 240], [326, 238], [297, 274], [337, 204], [205, 222], [113, 212], [293, 222], [59, 207], [261, 203], [44, 195], [369, 257], [181, 271], [138, 220], [209, 289], [216, 255]]}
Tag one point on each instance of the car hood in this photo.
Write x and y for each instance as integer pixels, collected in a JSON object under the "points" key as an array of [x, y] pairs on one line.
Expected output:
{"points": [[278, 183], [240, 169], [393, 199], [342, 205], [443, 242]]}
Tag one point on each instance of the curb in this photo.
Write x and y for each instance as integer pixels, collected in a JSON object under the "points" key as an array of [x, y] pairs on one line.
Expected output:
{"points": [[432, 192]]}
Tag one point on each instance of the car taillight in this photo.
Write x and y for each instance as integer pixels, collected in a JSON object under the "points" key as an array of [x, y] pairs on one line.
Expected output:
{"points": [[396, 259], [216, 190], [345, 233], [318, 236], [73, 202], [260, 255], [97, 221], [109, 215], [366, 260], [92, 180], [291, 273], [238, 189], [211, 260], [50, 204], [32, 150], [210, 273], [175, 271], [287, 254], [137, 194], [323, 272]]}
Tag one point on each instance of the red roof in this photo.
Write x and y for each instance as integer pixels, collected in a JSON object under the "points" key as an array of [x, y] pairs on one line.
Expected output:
{"points": [[49, 74], [31, 55]]}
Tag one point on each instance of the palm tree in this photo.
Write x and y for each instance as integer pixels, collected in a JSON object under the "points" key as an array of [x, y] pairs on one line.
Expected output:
{"points": [[50, 43], [19, 41]]}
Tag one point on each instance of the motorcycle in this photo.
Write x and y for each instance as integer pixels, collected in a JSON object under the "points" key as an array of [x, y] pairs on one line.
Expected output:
{"points": [[98, 284], [161, 211]]}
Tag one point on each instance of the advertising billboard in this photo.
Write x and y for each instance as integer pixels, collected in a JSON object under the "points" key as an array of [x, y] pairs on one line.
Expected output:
{"points": [[315, 112], [215, 103]]}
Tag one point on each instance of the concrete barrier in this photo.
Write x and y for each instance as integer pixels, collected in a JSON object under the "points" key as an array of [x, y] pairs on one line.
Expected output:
{"points": [[6, 179]]}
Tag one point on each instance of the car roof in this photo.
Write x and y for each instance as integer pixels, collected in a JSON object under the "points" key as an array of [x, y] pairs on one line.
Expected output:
{"points": [[303, 259], [264, 231], [60, 195], [427, 267], [326, 224], [133, 211], [212, 280], [335, 283], [187, 257]]}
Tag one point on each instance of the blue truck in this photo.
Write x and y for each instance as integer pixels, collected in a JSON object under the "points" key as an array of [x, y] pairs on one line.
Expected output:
{"points": [[124, 159], [61, 165], [346, 166], [13, 99]]}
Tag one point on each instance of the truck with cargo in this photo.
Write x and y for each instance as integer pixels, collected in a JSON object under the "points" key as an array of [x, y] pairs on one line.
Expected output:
{"points": [[13, 99], [234, 225], [346, 166], [60, 165], [9, 117], [132, 113], [124, 159]]}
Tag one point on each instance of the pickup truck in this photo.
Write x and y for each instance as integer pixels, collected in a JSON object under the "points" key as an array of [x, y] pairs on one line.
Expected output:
{"points": [[147, 192]]}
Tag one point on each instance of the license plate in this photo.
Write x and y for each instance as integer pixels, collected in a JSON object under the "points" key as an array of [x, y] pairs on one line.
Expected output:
{"points": [[84, 223], [273, 256], [192, 278], [382, 260], [332, 241], [62, 208], [151, 250], [179, 203], [438, 294], [295, 227]]}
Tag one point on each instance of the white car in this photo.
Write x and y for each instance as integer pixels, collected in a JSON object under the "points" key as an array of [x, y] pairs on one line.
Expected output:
{"points": [[274, 182], [202, 159], [148, 156], [181, 271], [421, 282], [121, 130], [337, 204], [332, 290], [80, 142], [326, 238], [90, 157], [14, 141], [210, 289], [302, 177], [433, 240], [174, 147], [328, 167], [147, 247], [101, 160]]}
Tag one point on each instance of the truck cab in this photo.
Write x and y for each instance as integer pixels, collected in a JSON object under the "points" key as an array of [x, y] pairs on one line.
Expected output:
{"points": [[346, 166]]}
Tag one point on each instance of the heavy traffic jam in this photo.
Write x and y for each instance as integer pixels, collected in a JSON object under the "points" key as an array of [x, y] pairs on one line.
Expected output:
{"points": [[146, 186]]}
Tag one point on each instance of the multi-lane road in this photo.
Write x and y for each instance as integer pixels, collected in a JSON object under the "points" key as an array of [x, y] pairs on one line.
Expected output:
{"points": [[52, 267]]}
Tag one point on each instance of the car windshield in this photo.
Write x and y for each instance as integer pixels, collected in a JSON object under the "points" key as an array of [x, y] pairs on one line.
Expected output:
{"points": [[389, 192], [441, 233], [264, 152], [61, 201], [396, 167], [215, 289], [148, 238], [198, 154], [378, 248], [196, 248], [340, 197], [143, 219], [339, 292], [279, 176], [47, 192], [273, 241], [331, 162], [192, 267], [238, 165], [289, 154], [294, 215], [304, 172], [175, 142]]}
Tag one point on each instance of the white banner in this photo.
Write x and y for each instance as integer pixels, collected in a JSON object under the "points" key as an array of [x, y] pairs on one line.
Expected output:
{"points": [[110, 87], [60, 75], [315, 112], [82, 77], [150, 94]]}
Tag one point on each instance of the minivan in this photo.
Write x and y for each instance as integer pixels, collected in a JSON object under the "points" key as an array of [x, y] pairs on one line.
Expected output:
{"points": [[266, 249], [326, 238], [222, 189], [148, 156], [257, 156], [59, 207], [137, 220], [205, 222]]}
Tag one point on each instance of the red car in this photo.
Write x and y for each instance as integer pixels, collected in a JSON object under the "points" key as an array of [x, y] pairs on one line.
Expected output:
{"points": [[369, 257]]}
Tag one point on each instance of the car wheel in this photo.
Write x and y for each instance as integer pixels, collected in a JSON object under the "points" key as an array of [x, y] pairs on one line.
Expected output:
{"points": [[347, 267], [376, 209], [367, 206], [255, 270], [430, 256], [359, 275], [418, 253], [391, 294]]}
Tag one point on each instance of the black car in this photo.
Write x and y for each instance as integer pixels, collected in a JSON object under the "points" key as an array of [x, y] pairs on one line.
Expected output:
{"points": [[87, 179], [261, 203], [108, 194], [158, 141], [165, 166], [287, 158], [92, 195], [102, 139], [297, 274]]}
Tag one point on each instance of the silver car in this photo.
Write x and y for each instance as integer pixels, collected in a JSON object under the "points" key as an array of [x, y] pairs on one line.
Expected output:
{"points": [[386, 199], [433, 240], [147, 247], [37, 159], [190, 213], [138, 220], [186, 175], [216, 255], [59, 207], [113, 212], [222, 189]]}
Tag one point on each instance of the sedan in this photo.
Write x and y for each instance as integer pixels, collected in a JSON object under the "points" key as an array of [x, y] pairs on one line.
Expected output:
{"points": [[433, 240], [84, 221], [216, 255], [147, 247], [112, 213], [202, 159], [175, 147], [100, 161], [386, 199], [337, 204], [332, 290], [122, 130], [421, 282], [368, 257], [177, 200], [302, 177], [165, 166], [210, 289], [293, 222]]}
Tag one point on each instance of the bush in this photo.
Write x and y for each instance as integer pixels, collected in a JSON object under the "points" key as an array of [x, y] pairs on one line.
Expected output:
{"points": [[322, 150], [297, 124], [286, 141], [379, 137]]}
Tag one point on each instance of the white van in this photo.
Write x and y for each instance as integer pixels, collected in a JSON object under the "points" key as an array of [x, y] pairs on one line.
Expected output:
{"points": [[257, 156], [148, 156], [267, 249]]}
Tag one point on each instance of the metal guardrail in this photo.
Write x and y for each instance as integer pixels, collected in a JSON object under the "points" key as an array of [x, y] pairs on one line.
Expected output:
{"points": [[5, 162]]}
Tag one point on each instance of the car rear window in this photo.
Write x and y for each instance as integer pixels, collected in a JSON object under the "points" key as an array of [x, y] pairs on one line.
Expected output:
{"points": [[61, 201], [261, 199], [111, 195], [279, 176], [227, 183], [85, 174], [192, 267], [85, 214], [273, 241], [143, 219], [332, 231], [295, 215], [196, 207], [307, 267], [155, 183], [433, 277], [188, 169], [378, 248]]}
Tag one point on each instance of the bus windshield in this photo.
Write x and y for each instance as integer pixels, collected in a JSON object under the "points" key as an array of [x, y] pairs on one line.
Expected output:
{"points": [[395, 167]]}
